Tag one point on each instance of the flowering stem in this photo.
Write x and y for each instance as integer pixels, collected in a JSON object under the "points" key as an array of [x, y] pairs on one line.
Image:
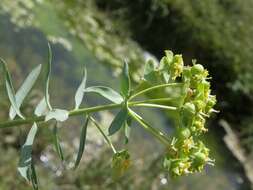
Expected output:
{"points": [[153, 88], [155, 106], [156, 100], [80, 111], [103, 134], [158, 134]]}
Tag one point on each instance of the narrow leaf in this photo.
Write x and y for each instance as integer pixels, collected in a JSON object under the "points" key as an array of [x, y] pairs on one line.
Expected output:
{"points": [[82, 143], [57, 114], [125, 81], [57, 142], [25, 89], [48, 72], [10, 89], [127, 129], [41, 108], [106, 92], [80, 91], [26, 153], [118, 121]]}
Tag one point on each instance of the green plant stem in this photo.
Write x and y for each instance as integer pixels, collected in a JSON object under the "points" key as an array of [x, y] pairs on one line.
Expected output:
{"points": [[153, 88], [158, 134], [81, 111], [103, 134], [170, 108], [156, 100]]}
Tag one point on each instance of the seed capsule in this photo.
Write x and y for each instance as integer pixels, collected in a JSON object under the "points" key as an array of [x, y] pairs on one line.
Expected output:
{"points": [[184, 133], [187, 114], [199, 159]]}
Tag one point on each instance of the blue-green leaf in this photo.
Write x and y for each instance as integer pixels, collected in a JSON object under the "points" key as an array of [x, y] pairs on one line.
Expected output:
{"points": [[125, 83], [106, 92], [82, 143], [80, 91], [118, 121], [48, 72], [25, 89], [10, 89], [26, 153], [41, 108], [57, 114], [57, 142]]}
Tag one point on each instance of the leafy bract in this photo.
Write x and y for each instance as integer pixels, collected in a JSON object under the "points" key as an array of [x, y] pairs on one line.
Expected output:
{"points": [[25, 89], [106, 92], [26, 153], [150, 73], [80, 91], [57, 114], [82, 142], [118, 121], [41, 108]]}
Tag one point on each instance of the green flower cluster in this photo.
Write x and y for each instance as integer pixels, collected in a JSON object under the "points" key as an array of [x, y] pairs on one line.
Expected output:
{"points": [[171, 66], [120, 163], [188, 153]]}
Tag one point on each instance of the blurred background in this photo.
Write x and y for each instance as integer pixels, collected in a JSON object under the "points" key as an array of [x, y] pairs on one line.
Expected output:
{"points": [[100, 34]]}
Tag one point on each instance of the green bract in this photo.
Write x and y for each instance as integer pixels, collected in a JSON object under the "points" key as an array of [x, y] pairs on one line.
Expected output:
{"points": [[185, 153]]}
